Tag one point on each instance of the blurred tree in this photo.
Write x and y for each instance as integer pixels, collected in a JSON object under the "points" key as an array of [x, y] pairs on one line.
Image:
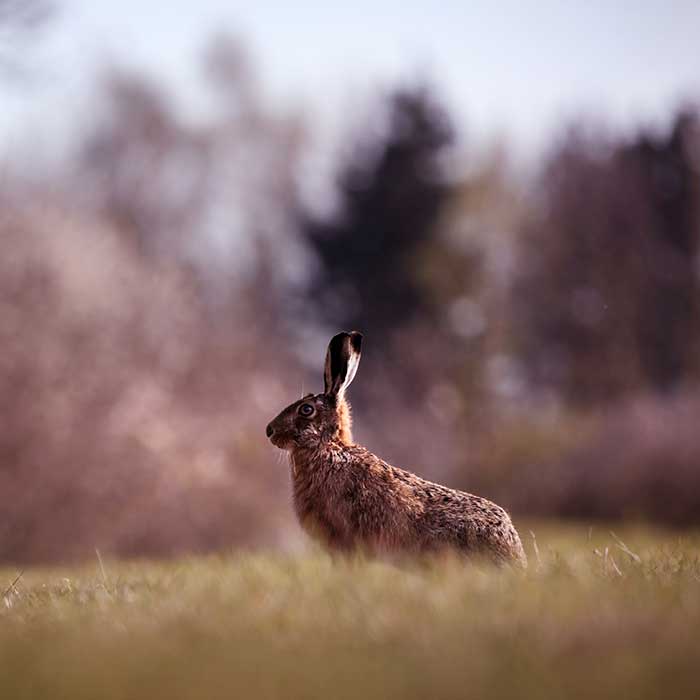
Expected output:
{"points": [[667, 170], [391, 195], [470, 275], [219, 192], [147, 173], [607, 300]]}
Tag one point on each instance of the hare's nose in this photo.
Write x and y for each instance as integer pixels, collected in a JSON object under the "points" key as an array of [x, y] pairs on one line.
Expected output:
{"points": [[269, 430]]}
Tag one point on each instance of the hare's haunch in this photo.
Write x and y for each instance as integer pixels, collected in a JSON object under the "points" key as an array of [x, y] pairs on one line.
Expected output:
{"points": [[349, 498]]}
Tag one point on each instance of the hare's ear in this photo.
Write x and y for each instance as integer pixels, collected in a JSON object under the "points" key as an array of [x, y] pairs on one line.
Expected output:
{"points": [[342, 360]]}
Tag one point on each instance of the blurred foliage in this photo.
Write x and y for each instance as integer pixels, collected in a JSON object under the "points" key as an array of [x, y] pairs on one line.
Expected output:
{"points": [[134, 374]]}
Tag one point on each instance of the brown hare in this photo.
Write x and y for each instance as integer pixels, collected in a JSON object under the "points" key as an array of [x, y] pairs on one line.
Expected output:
{"points": [[350, 499]]}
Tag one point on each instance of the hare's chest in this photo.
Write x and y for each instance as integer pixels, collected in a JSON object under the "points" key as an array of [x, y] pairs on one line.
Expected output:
{"points": [[320, 529], [321, 513]]}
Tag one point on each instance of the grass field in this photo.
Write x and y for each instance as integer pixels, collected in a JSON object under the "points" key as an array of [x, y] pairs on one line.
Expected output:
{"points": [[594, 616]]}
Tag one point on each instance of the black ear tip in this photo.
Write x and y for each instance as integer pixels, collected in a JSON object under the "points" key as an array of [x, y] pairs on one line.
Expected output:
{"points": [[339, 342], [356, 341]]}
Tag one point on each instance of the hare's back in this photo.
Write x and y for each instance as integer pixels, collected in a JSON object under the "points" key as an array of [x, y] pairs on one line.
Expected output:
{"points": [[432, 516], [465, 521]]}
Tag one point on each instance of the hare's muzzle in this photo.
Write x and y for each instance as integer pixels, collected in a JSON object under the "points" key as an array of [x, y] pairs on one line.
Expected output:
{"points": [[276, 437]]}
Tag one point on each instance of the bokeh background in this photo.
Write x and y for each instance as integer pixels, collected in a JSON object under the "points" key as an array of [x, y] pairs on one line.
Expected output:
{"points": [[505, 199]]}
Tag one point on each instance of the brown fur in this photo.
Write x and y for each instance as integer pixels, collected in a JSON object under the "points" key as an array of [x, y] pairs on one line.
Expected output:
{"points": [[349, 498]]}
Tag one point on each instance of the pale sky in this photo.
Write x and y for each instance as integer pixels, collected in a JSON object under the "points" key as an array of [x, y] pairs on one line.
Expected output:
{"points": [[516, 69]]}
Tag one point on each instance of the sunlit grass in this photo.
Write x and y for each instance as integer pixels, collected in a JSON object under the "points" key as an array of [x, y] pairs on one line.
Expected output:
{"points": [[595, 615]]}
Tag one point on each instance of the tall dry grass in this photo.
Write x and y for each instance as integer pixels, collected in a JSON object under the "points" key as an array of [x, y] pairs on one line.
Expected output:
{"points": [[595, 616]]}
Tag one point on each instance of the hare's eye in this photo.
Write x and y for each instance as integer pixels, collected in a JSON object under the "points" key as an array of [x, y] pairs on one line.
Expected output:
{"points": [[306, 410]]}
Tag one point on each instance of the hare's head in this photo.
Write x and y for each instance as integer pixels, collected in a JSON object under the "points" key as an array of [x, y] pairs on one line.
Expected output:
{"points": [[316, 418]]}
